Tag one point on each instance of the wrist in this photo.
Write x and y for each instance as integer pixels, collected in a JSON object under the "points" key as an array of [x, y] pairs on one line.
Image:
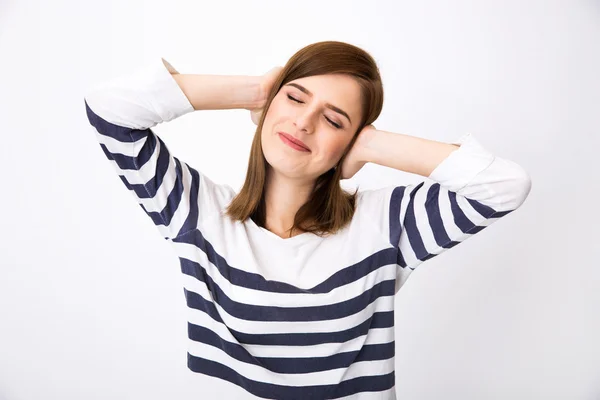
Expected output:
{"points": [[250, 93], [364, 143], [246, 92]]}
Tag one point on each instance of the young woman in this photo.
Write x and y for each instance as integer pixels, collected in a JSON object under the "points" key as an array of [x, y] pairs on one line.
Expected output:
{"points": [[290, 283]]}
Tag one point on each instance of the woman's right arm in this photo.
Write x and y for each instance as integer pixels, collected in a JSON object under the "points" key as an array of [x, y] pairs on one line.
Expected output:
{"points": [[219, 92], [122, 112]]}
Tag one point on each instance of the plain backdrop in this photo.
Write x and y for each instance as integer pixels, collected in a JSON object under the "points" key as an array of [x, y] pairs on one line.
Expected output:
{"points": [[91, 301]]}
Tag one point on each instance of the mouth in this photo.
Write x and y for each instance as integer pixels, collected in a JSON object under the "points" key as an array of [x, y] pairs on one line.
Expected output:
{"points": [[293, 142]]}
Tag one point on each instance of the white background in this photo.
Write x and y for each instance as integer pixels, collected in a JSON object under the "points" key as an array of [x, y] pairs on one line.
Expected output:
{"points": [[91, 302]]}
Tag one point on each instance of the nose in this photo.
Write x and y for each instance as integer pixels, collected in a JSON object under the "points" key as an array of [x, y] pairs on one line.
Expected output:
{"points": [[305, 120]]}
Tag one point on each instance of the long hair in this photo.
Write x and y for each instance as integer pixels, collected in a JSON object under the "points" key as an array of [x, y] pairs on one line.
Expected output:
{"points": [[329, 208]]}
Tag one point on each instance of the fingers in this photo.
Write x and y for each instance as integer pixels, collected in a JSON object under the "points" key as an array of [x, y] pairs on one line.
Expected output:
{"points": [[255, 116]]}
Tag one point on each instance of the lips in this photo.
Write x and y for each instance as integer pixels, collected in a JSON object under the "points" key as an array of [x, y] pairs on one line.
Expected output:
{"points": [[294, 140]]}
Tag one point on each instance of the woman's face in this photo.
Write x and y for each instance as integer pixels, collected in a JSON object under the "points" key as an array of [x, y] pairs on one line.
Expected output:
{"points": [[317, 120]]}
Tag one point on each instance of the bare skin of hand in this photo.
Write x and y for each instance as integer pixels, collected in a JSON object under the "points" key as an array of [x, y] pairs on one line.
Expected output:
{"points": [[356, 157], [267, 81]]}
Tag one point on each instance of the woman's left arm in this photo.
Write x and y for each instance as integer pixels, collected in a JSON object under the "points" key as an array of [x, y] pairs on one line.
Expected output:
{"points": [[403, 152], [471, 189], [395, 150]]}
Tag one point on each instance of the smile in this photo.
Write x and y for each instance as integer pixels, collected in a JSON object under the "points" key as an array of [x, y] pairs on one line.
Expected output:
{"points": [[292, 144]]}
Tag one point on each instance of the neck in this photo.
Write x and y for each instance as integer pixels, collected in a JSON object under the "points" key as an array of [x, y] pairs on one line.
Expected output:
{"points": [[283, 199]]}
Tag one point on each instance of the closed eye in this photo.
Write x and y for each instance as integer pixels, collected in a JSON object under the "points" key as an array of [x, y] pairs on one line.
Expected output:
{"points": [[337, 126]]}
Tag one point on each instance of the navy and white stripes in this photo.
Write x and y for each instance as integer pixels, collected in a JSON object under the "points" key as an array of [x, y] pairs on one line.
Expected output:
{"points": [[299, 318], [471, 189], [165, 187]]}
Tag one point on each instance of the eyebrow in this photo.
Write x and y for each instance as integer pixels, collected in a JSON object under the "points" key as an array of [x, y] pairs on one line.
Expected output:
{"points": [[328, 105]]}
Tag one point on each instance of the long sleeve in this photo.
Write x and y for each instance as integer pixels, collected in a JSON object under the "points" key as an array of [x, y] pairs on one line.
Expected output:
{"points": [[122, 111], [468, 191]]}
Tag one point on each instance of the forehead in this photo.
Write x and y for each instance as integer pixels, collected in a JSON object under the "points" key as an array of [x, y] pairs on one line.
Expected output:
{"points": [[340, 90], [330, 86]]}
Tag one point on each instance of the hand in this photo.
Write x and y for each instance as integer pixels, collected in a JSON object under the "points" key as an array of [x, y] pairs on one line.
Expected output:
{"points": [[267, 81], [356, 157]]}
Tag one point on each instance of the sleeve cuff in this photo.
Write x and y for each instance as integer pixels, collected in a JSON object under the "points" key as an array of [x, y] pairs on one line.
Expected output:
{"points": [[462, 165], [166, 96]]}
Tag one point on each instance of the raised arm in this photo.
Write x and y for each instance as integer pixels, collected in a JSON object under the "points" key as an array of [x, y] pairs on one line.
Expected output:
{"points": [[469, 190], [122, 112]]}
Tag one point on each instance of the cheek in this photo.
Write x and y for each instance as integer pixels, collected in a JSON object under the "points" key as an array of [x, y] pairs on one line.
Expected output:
{"points": [[275, 106], [334, 147], [273, 114]]}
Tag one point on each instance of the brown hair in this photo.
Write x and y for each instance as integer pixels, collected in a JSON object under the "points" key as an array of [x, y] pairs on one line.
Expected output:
{"points": [[329, 207]]}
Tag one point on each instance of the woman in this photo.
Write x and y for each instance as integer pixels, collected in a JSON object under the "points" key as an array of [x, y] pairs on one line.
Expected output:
{"points": [[290, 283]]}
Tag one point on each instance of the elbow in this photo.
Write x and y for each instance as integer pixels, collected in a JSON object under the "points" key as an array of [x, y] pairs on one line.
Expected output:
{"points": [[521, 187]]}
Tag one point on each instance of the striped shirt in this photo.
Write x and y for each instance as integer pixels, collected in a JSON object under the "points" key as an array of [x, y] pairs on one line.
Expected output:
{"points": [[306, 317]]}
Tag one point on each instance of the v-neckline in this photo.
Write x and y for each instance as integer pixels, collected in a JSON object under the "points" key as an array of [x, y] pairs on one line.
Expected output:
{"points": [[297, 239]]}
